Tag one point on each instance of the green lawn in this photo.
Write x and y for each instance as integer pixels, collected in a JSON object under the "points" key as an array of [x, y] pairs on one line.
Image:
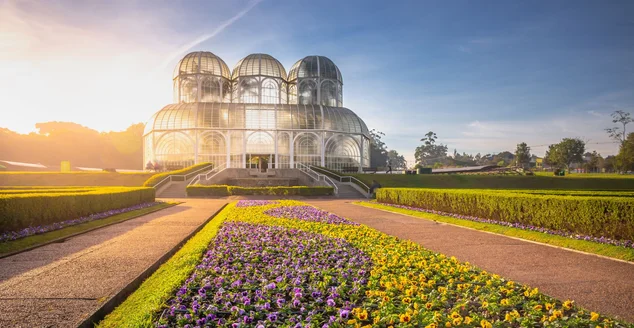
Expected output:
{"points": [[35, 240], [588, 175], [138, 308], [616, 252]]}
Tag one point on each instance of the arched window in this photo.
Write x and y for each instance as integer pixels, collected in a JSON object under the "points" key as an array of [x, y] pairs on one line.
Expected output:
{"points": [[270, 92], [210, 90], [248, 91], [226, 91], [292, 93], [307, 93], [328, 94], [189, 90], [284, 93]]}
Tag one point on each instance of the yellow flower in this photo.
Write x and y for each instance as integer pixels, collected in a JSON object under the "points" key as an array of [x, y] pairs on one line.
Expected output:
{"points": [[362, 315], [431, 325], [407, 300], [485, 324], [467, 320], [405, 317], [558, 313], [455, 315], [485, 304], [457, 321], [594, 316], [548, 306], [448, 324], [504, 301], [537, 307], [567, 305], [428, 306], [352, 321], [508, 317]]}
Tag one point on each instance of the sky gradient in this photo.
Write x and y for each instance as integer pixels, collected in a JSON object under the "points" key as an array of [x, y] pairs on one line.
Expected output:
{"points": [[483, 75]]}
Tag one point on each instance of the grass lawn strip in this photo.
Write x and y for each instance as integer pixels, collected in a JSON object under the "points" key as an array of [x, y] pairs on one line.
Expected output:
{"points": [[138, 309], [27, 243], [611, 251], [408, 286]]}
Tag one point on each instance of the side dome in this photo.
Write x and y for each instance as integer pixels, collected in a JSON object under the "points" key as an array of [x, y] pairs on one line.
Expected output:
{"points": [[315, 67], [202, 62], [259, 65]]}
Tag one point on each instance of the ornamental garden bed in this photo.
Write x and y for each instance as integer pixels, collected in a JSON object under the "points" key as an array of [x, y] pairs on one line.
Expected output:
{"points": [[593, 215], [286, 264], [225, 190]]}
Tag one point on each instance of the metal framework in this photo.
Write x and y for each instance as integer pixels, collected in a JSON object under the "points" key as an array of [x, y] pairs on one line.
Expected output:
{"points": [[257, 112]]}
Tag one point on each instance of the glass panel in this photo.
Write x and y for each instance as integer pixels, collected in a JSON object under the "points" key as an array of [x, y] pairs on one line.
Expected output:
{"points": [[270, 92]]}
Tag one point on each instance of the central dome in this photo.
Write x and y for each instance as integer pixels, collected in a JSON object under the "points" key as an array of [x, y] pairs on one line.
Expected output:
{"points": [[259, 65]]}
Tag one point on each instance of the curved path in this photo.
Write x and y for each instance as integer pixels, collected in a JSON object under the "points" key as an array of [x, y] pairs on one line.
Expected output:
{"points": [[595, 283], [60, 285]]}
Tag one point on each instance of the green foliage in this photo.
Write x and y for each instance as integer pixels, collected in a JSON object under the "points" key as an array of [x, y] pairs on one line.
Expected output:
{"points": [[224, 190], [22, 210], [429, 152], [625, 158], [397, 161], [378, 150], [590, 215], [35, 240], [460, 181], [40, 179], [149, 298], [568, 151], [153, 180], [616, 132], [522, 154], [617, 252]]}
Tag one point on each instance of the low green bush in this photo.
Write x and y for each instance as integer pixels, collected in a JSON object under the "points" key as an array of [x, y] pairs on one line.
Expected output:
{"points": [[153, 180], [224, 190], [590, 215], [19, 211]]}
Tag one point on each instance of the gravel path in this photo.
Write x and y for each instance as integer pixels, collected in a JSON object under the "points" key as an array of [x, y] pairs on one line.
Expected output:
{"points": [[595, 283], [59, 285]]}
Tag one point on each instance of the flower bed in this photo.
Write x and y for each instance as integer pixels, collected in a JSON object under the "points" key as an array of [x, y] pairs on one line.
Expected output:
{"points": [[307, 213], [601, 240], [30, 231], [282, 276], [407, 285], [249, 203]]}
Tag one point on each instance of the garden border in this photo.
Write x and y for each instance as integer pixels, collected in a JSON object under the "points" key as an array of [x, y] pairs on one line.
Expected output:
{"points": [[121, 296], [498, 234], [61, 239]]}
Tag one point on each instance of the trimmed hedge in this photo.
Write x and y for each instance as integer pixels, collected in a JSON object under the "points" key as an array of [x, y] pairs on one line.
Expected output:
{"points": [[84, 179], [590, 215], [153, 180], [460, 181], [224, 190], [19, 211]]}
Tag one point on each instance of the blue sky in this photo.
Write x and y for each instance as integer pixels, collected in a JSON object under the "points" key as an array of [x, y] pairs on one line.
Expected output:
{"points": [[483, 75]]}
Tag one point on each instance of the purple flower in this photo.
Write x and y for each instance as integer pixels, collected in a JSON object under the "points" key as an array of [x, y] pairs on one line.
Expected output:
{"points": [[330, 302]]}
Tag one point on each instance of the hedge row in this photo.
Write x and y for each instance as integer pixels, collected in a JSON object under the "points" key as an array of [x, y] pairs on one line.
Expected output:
{"points": [[19, 211], [596, 216], [153, 180], [224, 190]]}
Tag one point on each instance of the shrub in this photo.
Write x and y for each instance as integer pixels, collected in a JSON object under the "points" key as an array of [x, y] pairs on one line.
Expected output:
{"points": [[153, 180], [19, 211], [590, 215], [224, 190]]}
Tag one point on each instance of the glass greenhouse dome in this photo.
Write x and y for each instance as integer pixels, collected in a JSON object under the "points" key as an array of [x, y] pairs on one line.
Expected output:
{"points": [[256, 112]]}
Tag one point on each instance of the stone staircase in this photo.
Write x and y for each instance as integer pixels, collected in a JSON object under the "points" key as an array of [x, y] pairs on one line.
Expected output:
{"points": [[347, 191], [175, 189]]}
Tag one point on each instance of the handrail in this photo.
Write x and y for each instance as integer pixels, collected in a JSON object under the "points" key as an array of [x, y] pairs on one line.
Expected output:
{"points": [[307, 170], [341, 178], [169, 178], [215, 171]]}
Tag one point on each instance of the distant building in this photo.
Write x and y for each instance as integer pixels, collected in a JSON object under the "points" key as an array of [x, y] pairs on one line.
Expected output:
{"points": [[256, 111]]}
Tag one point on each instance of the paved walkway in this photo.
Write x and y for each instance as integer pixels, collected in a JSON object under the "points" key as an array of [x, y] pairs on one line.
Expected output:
{"points": [[60, 285], [595, 283]]}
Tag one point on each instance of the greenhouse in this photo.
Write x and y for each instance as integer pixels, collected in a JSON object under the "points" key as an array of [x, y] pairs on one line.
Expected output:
{"points": [[256, 116]]}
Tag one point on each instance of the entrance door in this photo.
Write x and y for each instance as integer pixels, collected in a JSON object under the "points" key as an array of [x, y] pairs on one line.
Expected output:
{"points": [[260, 161]]}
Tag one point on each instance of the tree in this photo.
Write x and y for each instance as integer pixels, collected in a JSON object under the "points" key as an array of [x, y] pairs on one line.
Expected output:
{"points": [[563, 154], [609, 164], [625, 158], [429, 152], [592, 161], [398, 161], [616, 132], [522, 155], [378, 150]]}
